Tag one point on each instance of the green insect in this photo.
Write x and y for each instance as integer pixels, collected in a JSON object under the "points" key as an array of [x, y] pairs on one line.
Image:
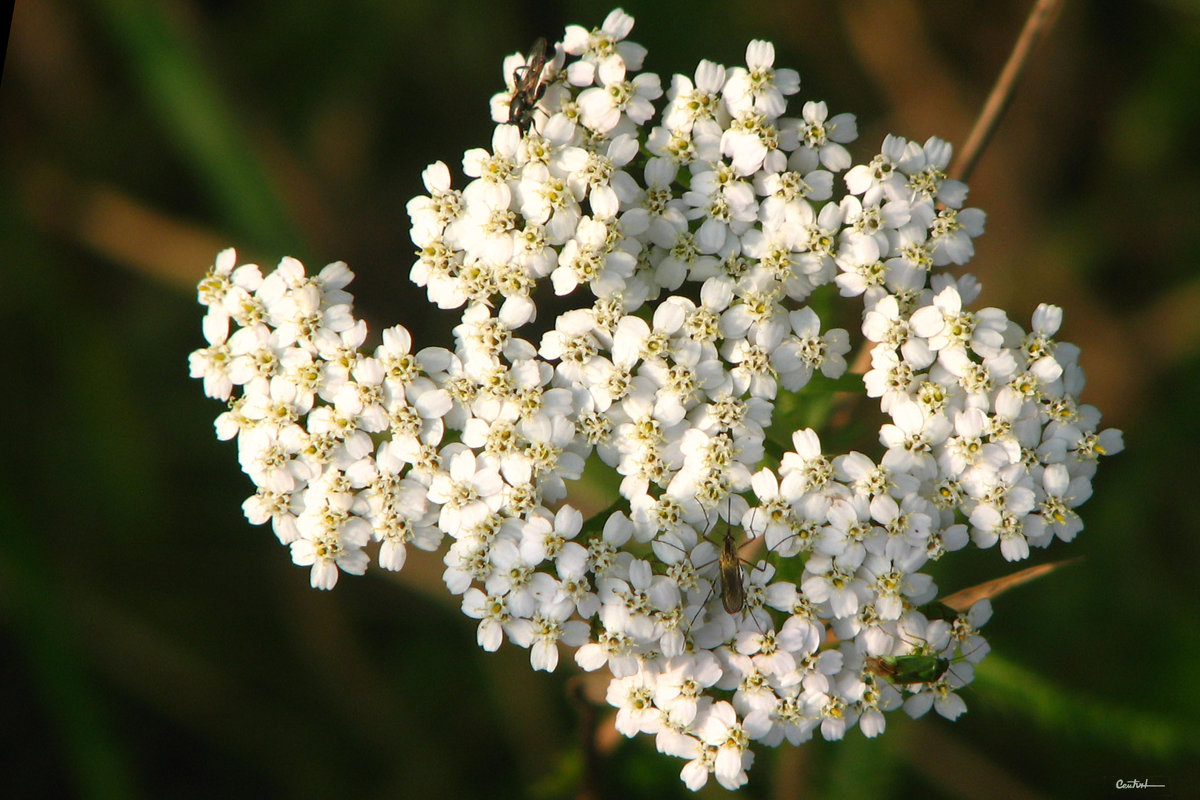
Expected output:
{"points": [[528, 87], [921, 666], [907, 669]]}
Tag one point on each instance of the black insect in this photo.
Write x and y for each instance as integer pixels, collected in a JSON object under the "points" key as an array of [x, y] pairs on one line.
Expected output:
{"points": [[733, 592], [528, 87], [730, 575]]}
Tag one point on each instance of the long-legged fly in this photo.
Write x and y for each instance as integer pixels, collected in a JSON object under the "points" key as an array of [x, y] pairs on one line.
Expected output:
{"points": [[730, 577], [733, 592]]}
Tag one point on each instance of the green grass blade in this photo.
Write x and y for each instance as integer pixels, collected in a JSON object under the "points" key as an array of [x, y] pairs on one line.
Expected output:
{"points": [[179, 90]]}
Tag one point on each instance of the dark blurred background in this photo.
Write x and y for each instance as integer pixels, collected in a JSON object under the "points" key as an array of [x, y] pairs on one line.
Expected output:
{"points": [[155, 645]]}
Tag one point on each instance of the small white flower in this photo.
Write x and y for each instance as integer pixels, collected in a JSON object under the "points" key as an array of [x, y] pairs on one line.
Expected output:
{"points": [[603, 107], [721, 728], [759, 86], [602, 46], [331, 539], [691, 102], [827, 136]]}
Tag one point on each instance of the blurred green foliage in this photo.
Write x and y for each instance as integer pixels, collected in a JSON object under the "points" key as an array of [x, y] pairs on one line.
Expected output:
{"points": [[156, 645]]}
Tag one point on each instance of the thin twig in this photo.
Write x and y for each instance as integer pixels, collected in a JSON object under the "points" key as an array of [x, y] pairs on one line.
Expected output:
{"points": [[1040, 20]]}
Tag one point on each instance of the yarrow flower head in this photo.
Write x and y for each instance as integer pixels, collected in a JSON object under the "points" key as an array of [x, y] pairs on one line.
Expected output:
{"points": [[745, 587]]}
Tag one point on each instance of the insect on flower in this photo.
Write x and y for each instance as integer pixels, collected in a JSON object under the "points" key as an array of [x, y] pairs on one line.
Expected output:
{"points": [[528, 87], [730, 577], [733, 593], [922, 665], [907, 669]]}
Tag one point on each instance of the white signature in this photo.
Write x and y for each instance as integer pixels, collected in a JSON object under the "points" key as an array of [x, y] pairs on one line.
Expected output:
{"points": [[1138, 783]]}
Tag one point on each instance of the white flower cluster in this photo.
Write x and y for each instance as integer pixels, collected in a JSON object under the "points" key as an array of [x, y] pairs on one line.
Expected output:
{"points": [[692, 256]]}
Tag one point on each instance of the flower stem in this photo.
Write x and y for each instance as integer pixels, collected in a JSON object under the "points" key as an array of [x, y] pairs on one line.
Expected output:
{"points": [[1039, 22]]}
